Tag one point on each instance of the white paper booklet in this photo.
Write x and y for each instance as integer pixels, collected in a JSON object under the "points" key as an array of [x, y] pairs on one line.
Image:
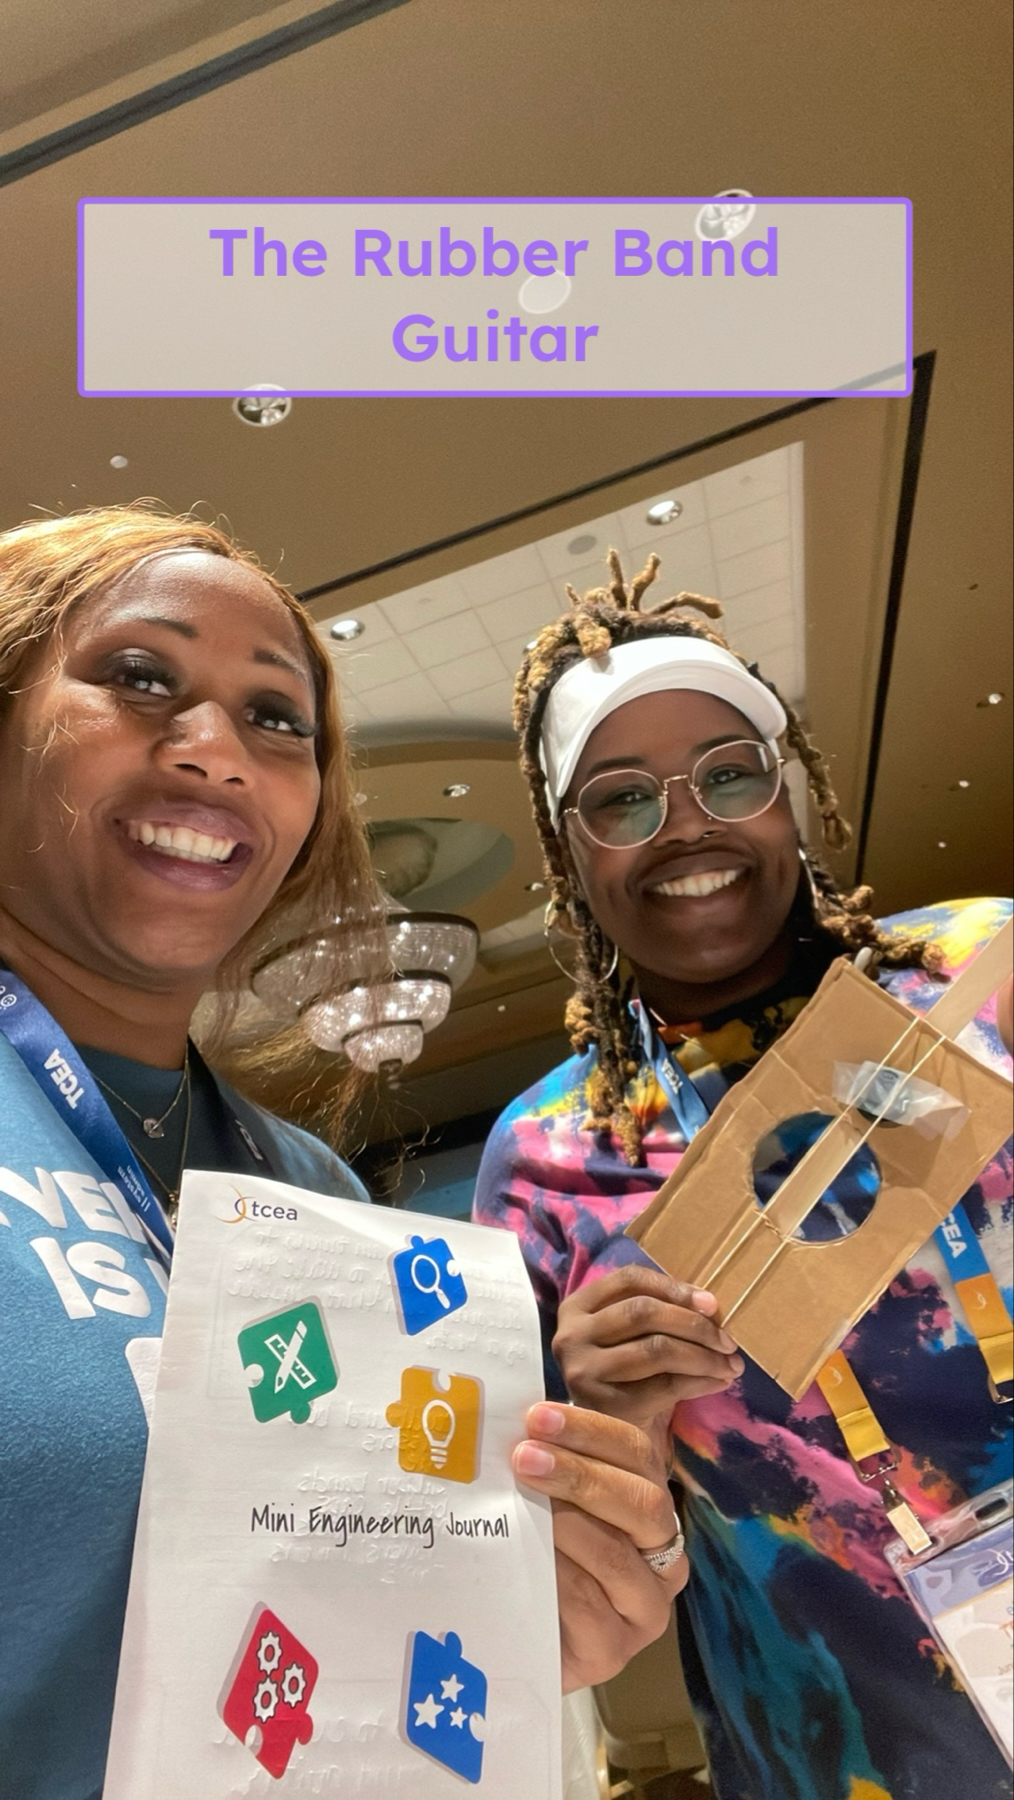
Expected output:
{"points": [[337, 1586]]}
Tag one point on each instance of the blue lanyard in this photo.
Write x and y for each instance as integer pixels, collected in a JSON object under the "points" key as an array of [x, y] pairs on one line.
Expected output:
{"points": [[961, 1250], [65, 1079], [688, 1108]]}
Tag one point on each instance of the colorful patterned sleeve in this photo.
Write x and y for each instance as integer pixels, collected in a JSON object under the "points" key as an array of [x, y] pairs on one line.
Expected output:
{"points": [[812, 1675], [565, 1190]]}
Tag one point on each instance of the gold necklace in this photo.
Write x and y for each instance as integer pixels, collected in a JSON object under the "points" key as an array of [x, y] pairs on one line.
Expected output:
{"points": [[154, 1128], [171, 1203]]}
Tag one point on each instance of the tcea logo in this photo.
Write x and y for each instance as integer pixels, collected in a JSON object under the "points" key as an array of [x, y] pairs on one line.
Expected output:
{"points": [[245, 1207]]}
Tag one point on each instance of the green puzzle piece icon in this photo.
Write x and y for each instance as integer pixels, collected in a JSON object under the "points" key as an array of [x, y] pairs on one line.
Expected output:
{"points": [[288, 1362]]}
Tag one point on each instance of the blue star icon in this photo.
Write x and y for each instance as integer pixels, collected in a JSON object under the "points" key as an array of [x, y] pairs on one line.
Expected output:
{"points": [[449, 1730]]}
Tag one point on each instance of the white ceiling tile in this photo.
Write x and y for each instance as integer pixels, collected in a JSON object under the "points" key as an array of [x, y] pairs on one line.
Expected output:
{"points": [[511, 652], [754, 569], [785, 669], [635, 523], [510, 574], [409, 700], [687, 565], [749, 527], [522, 613], [759, 605], [558, 556], [487, 706], [745, 482], [760, 641], [417, 606], [466, 673], [593, 574], [360, 670], [448, 638], [354, 709]]}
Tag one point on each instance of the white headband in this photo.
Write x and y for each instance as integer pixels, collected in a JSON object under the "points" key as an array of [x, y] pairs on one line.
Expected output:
{"points": [[591, 689]]}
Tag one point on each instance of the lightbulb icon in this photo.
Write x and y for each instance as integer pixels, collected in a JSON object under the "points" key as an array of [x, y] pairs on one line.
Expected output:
{"points": [[437, 1432]]}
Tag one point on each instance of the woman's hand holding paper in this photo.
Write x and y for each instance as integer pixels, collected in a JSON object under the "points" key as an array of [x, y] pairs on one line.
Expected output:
{"points": [[611, 1503], [637, 1342]]}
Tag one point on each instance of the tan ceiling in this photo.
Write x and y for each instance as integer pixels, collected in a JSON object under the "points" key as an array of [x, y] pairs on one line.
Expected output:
{"points": [[587, 97], [95, 45]]}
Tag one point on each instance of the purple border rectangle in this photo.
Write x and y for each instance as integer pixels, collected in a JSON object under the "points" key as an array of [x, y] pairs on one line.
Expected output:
{"points": [[500, 393]]}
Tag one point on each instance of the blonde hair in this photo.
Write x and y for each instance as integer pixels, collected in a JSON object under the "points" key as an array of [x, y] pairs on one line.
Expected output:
{"points": [[48, 567]]}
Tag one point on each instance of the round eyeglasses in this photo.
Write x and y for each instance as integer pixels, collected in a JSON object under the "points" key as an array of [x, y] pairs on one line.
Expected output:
{"points": [[625, 807]]}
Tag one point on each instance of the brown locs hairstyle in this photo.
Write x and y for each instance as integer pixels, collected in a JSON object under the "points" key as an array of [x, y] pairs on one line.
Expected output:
{"points": [[49, 567], [597, 1015]]}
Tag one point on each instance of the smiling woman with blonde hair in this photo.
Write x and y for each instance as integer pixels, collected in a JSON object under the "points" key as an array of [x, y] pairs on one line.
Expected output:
{"points": [[175, 795]]}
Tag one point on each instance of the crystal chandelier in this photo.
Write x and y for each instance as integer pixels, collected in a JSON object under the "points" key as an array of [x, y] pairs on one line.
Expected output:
{"points": [[380, 1023]]}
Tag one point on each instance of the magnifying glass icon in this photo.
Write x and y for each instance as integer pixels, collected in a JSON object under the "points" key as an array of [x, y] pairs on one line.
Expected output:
{"points": [[432, 1287]]}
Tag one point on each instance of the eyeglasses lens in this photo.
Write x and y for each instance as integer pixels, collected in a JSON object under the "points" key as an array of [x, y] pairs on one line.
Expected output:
{"points": [[623, 808], [734, 781], [737, 781]]}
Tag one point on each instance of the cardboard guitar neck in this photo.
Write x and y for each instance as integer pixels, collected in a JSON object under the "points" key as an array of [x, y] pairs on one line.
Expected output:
{"points": [[791, 1302]]}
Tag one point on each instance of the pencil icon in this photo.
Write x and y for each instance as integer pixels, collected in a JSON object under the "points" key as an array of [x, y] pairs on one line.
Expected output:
{"points": [[290, 1358]]}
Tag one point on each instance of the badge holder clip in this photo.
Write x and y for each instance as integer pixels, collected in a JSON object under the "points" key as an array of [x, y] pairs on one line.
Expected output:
{"points": [[962, 1586]]}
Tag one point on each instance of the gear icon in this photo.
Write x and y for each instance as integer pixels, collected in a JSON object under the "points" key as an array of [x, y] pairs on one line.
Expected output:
{"points": [[293, 1684], [269, 1652], [265, 1699]]}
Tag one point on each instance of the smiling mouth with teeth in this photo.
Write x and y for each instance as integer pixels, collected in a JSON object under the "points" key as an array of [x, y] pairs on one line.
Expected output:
{"points": [[181, 842], [697, 886]]}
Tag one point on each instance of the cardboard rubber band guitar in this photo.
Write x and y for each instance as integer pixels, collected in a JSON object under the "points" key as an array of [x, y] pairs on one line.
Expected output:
{"points": [[789, 1302]]}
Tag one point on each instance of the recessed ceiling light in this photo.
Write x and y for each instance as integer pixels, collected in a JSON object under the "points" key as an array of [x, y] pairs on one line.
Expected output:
{"points": [[262, 409], [729, 213], [345, 630], [456, 790], [663, 512], [991, 700], [361, 799], [534, 887], [119, 462], [964, 784], [531, 643], [942, 844], [501, 1008], [579, 545]]}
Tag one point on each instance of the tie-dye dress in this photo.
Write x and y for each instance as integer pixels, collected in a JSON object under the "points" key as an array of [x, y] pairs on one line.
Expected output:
{"points": [[813, 1677]]}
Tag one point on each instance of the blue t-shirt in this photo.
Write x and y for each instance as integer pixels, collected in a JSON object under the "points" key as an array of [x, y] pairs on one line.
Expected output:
{"points": [[81, 1306]]}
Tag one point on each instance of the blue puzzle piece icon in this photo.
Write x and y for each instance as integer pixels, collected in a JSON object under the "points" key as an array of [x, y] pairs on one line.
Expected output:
{"points": [[427, 1283], [445, 1705]]}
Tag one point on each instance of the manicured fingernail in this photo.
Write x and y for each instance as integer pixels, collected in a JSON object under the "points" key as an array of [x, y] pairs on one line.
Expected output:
{"points": [[532, 1459], [547, 1421]]}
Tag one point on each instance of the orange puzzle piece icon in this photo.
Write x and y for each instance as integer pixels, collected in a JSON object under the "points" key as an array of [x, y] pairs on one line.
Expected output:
{"points": [[439, 1424]]}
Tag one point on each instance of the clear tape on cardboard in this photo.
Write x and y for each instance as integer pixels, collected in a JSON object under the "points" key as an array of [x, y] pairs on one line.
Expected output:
{"points": [[894, 1098]]}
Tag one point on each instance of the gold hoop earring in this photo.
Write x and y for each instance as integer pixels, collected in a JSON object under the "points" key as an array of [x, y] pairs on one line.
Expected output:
{"points": [[810, 882], [553, 910]]}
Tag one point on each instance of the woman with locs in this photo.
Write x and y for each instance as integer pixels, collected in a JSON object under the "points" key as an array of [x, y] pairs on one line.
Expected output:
{"points": [[699, 925], [176, 791]]}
